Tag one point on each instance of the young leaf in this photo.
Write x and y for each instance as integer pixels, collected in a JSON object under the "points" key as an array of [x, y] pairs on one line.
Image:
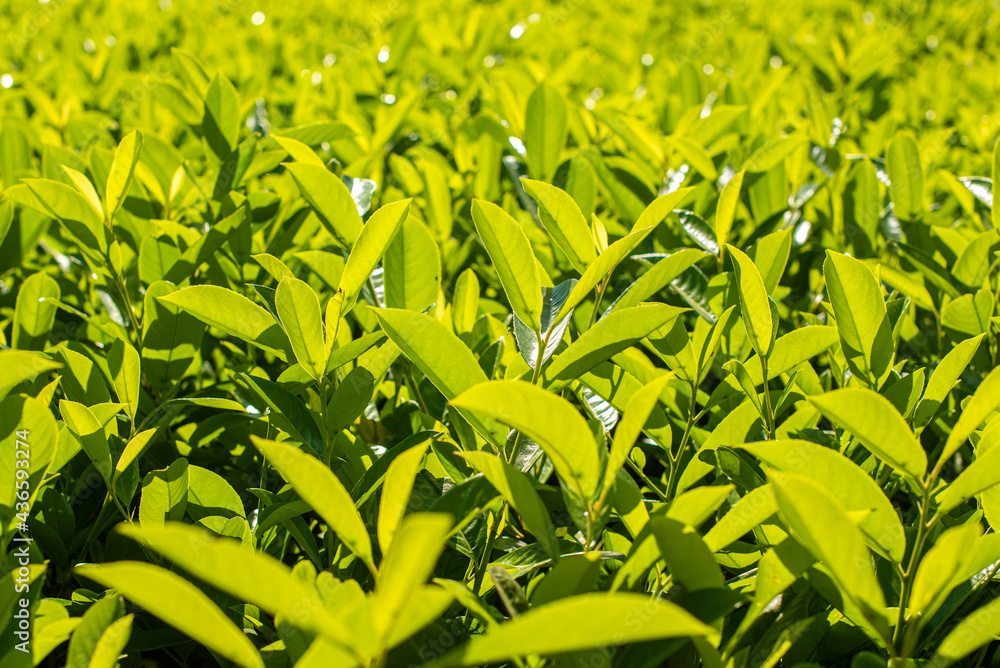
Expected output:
{"points": [[120, 176], [545, 130], [578, 623], [640, 406], [35, 311], [943, 379], [545, 418], [178, 603], [330, 199], [754, 306], [513, 259], [124, 365], [299, 313], [517, 489], [564, 222], [862, 319], [819, 523], [936, 575], [396, 490], [111, 644], [164, 494], [725, 210], [247, 575], [877, 424], [412, 268], [983, 403], [906, 177], [321, 489], [369, 248], [980, 475], [234, 314]]}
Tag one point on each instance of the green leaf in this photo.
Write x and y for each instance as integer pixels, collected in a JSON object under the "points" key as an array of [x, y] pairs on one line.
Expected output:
{"points": [[81, 421], [35, 311], [330, 199], [122, 170], [529, 344], [906, 177], [178, 603], [396, 489], [619, 330], [126, 374], [300, 316], [548, 420], [739, 372], [979, 476], [577, 623], [246, 574], [862, 320], [545, 130], [564, 222], [943, 379], [601, 269], [819, 523], [67, 205], [938, 569], [972, 632], [465, 301], [725, 211], [877, 424], [412, 268], [657, 277], [321, 489], [513, 259], [845, 481], [441, 356], [234, 314], [688, 558], [407, 565], [985, 400], [369, 248], [517, 489], [754, 306], [164, 494], [111, 645], [637, 412], [220, 124], [995, 210], [98, 617], [753, 508]]}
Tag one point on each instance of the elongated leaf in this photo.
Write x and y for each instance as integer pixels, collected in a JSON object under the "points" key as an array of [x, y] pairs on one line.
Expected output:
{"points": [[981, 475], [564, 222], [943, 379], [609, 336], [974, 631], [178, 603], [67, 205], [906, 178], [82, 422], [330, 199], [754, 306], [299, 313], [512, 258], [983, 403], [321, 489], [640, 406], [85, 637], [548, 420], [111, 644], [755, 507], [657, 277], [545, 130], [246, 574], [369, 248], [517, 489], [938, 568], [865, 331], [877, 424], [234, 314], [412, 268], [577, 623], [396, 488], [846, 482], [120, 176], [35, 311], [408, 565], [725, 211], [601, 269], [528, 342], [819, 523], [124, 364]]}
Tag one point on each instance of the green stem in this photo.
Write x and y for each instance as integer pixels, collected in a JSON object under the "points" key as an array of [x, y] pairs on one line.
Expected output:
{"points": [[645, 479], [484, 560], [768, 410], [675, 461], [907, 576], [597, 302], [536, 373]]}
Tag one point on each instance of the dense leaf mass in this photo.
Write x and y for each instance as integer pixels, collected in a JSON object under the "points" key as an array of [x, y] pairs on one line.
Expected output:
{"points": [[567, 333]]}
